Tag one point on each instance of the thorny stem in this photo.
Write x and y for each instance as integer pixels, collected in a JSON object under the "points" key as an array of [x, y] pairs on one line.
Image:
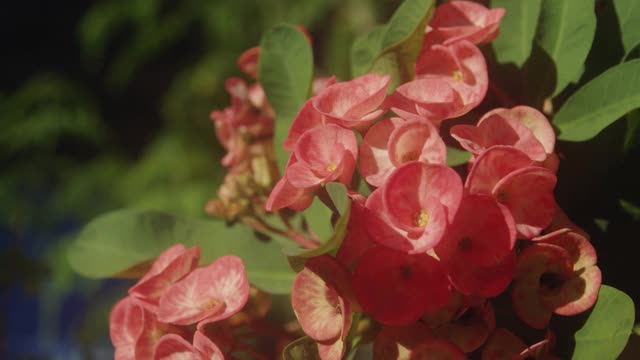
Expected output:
{"points": [[258, 224]]}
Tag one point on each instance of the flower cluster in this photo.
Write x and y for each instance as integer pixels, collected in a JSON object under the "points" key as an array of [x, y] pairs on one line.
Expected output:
{"points": [[427, 246], [156, 320], [426, 249], [245, 130]]}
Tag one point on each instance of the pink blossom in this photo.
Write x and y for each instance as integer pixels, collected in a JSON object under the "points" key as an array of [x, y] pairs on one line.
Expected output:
{"points": [[506, 173], [412, 210], [170, 266], [394, 141], [321, 301], [354, 104], [462, 66], [213, 292], [456, 21], [433, 98], [522, 127], [396, 288]]}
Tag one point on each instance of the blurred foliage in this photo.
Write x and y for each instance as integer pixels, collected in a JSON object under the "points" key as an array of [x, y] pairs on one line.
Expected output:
{"points": [[118, 115]]}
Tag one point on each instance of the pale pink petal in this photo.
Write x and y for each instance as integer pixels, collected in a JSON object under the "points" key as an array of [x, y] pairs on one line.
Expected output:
{"points": [[382, 231], [375, 165], [207, 349], [432, 98], [174, 347], [213, 292], [322, 149], [307, 118], [493, 165], [416, 140], [316, 300], [466, 20], [534, 120], [331, 350], [528, 193], [348, 102], [170, 266], [126, 324]]}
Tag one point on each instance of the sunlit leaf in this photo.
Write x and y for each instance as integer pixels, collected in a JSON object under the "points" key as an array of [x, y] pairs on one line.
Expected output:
{"points": [[628, 12], [517, 30], [565, 31], [285, 73], [600, 102], [606, 332], [118, 240], [393, 48]]}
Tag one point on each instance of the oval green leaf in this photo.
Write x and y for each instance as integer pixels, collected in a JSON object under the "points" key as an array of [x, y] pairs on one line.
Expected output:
{"points": [[628, 12], [565, 31], [285, 72], [392, 49], [120, 240], [606, 332], [600, 102], [517, 30]]}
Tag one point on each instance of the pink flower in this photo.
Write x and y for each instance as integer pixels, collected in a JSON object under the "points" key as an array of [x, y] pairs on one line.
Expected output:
{"points": [[396, 288], [321, 298], [170, 266], [135, 331], [322, 154], [354, 104], [412, 210], [172, 347], [506, 173], [432, 98], [557, 274], [214, 292], [395, 141], [462, 66], [482, 233], [522, 127], [456, 21]]}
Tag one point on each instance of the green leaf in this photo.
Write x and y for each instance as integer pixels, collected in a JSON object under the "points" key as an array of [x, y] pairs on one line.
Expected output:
{"points": [[341, 201], [285, 73], [565, 31], [628, 12], [303, 348], [517, 30], [119, 240], [457, 156], [606, 332], [393, 49], [600, 102]]}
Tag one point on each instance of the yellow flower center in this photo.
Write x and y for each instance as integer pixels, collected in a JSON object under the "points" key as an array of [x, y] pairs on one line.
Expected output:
{"points": [[457, 75], [331, 166], [421, 218]]}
